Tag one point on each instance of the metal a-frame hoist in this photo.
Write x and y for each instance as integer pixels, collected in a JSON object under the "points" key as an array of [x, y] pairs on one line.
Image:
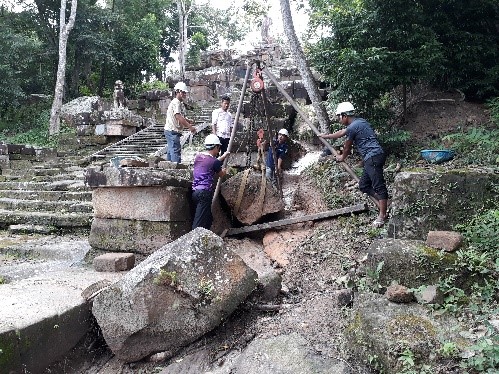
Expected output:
{"points": [[259, 121]]}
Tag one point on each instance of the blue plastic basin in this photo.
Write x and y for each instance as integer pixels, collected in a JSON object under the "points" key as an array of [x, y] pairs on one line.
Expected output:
{"points": [[437, 156]]}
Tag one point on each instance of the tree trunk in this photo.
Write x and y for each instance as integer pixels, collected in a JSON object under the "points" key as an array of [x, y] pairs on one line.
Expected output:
{"points": [[303, 68], [183, 14], [64, 29]]}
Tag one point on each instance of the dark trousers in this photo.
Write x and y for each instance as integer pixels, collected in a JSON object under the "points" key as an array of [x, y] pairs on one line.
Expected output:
{"points": [[224, 146], [202, 201], [372, 181]]}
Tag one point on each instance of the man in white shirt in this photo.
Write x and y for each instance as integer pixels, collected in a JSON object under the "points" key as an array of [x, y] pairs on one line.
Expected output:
{"points": [[176, 121], [221, 123]]}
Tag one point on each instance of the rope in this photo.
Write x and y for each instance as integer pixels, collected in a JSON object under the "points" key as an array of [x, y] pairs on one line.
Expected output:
{"points": [[240, 194]]}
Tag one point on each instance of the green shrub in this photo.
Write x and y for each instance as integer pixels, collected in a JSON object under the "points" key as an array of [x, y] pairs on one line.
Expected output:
{"points": [[476, 146], [493, 106], [38, 135]]}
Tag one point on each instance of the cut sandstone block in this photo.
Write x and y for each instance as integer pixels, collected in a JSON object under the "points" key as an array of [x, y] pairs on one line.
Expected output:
{"points": [[158, 203], [449, 241], [144, 237], [113, 262]]}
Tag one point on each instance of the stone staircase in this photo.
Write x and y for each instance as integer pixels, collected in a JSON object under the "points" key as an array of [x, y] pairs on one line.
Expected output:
{"points": [[150, 140], [48, 197]]}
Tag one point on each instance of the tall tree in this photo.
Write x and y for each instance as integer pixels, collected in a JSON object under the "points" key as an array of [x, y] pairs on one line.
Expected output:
{"points": [[184, 8], [303, 66], [64, 29]]}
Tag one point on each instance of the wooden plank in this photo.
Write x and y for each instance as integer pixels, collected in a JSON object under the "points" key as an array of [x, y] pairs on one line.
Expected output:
{"points": [[310, 217]]}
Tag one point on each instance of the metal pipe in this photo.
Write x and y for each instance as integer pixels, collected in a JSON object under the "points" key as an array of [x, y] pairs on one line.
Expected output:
{"points": [[234, 130]]}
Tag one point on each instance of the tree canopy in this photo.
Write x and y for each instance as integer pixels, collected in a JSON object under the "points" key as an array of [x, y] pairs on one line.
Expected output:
{"points": [[366, 48]]}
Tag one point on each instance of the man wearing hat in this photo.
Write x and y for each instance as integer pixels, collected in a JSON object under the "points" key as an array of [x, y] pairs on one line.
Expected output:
{"points": [[360, 134], [176, 121], [207, 166]]}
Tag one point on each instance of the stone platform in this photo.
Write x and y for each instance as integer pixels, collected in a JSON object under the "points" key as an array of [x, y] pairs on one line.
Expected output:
{"points": [[43, 313]]}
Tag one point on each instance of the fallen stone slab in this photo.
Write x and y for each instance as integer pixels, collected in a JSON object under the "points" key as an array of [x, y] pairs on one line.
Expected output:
{"points": [[404, 261], [44, 317], [437, 201], [173, 297], [449, 241], [269, 281]]}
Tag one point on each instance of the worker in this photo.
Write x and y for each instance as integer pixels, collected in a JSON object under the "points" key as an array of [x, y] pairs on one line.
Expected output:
{"points": [[360, 134], [207, 166], [281, 150], [221, 123], [176, 122]]}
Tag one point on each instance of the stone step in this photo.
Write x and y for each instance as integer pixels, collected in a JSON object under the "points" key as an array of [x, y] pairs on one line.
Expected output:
{"points": [[70, 206], [31, 229], [59, 185], [65, 222], [47, 195]]}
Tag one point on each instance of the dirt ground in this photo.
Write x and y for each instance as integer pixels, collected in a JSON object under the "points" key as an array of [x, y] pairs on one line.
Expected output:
{"points": [[317, 264]]}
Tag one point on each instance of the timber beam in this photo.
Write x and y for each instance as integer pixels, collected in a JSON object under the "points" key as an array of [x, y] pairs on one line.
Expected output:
{"points": [[288, 221]]}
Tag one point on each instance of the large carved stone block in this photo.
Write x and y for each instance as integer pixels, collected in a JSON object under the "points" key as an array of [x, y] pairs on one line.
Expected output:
{"points": [[142, 203], [143, 237]]}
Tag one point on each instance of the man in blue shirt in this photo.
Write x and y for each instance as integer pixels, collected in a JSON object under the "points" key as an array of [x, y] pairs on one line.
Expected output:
{"points": [[281, 150], [360, 133]]}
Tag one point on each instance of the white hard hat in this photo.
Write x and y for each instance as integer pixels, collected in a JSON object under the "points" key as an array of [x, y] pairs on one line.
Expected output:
{"points": [[211, 141], [345, 107], [181, 86], [284, 132]]}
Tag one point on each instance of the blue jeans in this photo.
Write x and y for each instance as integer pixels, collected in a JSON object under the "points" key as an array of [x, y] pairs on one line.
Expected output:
{"points": [[173, 147]]}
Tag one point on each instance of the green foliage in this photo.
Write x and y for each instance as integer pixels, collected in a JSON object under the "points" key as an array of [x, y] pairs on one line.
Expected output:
{"points": [[38, 135], [368, 48], [476, 145], [480, 259], [199, 43], [409, 366], [485, 358], [395, 140], [482, 231], [449, 349], [23, 117], [493, 105], [370, 282], [18, 52]]}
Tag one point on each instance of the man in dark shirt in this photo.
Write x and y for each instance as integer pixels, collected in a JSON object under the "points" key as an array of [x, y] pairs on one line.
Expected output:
{"points": [[360, 133], [281, 150], [207, 166]]}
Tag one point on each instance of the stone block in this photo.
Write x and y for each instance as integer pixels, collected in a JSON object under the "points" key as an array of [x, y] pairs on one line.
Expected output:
{"points": [[4, 162], [84, 130], [142, 203], [21, 164], [143, 237], [119, 130], [113, 262], [133, 177], [449, 241], [199, 93], [437, 201]]}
